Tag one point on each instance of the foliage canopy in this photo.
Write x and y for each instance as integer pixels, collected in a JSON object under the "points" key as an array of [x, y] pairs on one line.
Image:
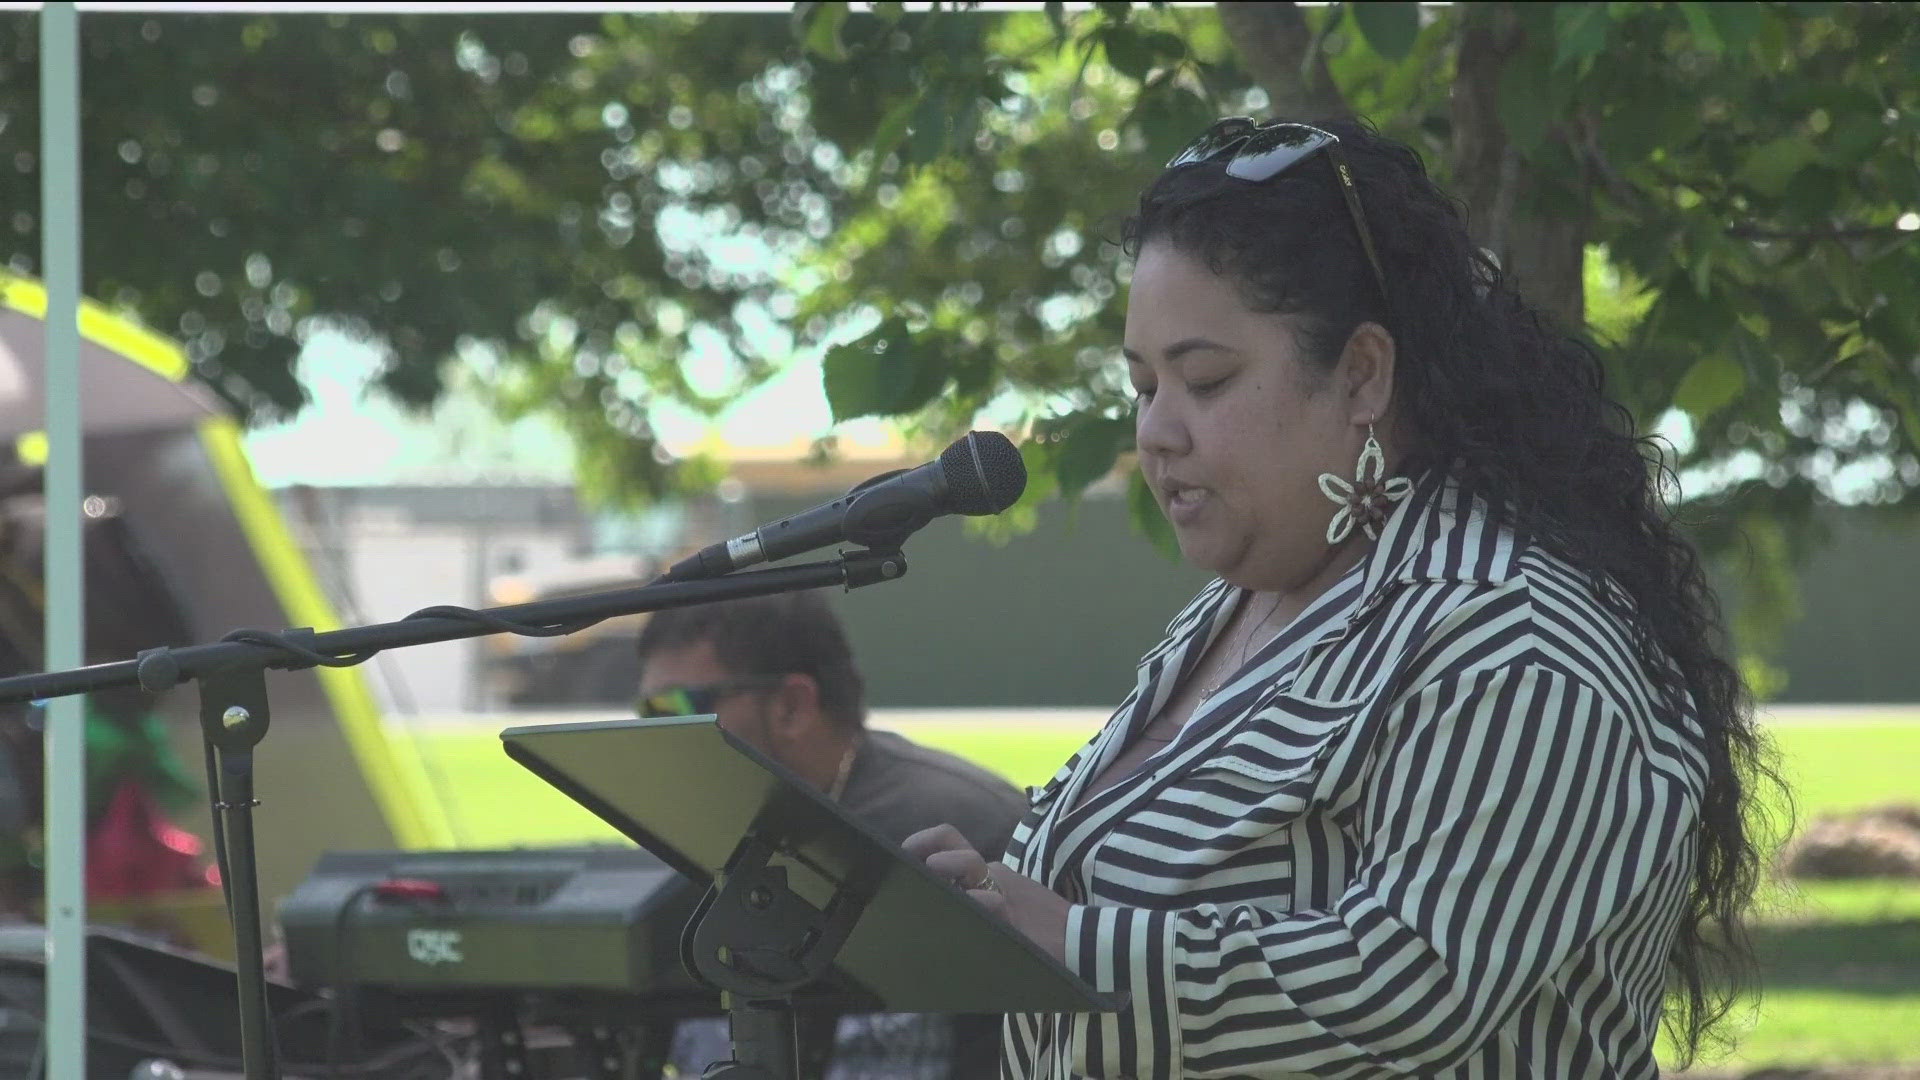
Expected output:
{"points": [[605, 212]]}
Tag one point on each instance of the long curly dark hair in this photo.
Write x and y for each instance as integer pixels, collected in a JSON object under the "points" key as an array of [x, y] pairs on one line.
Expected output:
{"points": [[1517, 411]]}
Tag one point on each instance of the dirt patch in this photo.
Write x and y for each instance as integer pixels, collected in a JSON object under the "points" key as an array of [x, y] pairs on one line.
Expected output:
{"points": [[1882, 841]]}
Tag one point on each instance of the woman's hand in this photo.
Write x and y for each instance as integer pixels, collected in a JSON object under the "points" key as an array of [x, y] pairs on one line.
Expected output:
{"points": [[1031, 907]]}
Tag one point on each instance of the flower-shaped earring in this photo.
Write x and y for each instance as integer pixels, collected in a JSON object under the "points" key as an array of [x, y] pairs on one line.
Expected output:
{"points": [[1367, 500]]}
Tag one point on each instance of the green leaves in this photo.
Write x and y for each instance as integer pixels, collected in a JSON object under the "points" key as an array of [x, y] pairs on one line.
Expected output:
{"points": [[1699, 18], [1774, 165], [1169, 117], [1579, 32], [1639, 117], [945, 119], [893, 127], [1855, 137], [1069, 454], [1126, 52], [1088, 450], [1718, 28], [1711, 384], [1148, 519], [1167, 110], [1735, 25], [1734, 160], [817, 25], [1133, 52], [882, 374], [1532, 95], [933, 120], [1388, 27], [1057, 15]]}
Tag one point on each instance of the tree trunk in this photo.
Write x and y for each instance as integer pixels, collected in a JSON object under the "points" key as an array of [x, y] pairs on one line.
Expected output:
{"points": [[1542, 254], [1277, 49]]}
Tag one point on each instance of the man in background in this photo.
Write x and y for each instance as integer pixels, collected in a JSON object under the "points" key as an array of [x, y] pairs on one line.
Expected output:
{"points": [[778, 674]]}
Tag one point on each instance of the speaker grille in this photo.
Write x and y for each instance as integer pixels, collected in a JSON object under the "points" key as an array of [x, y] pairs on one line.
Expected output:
{"points": [[984, 473]]}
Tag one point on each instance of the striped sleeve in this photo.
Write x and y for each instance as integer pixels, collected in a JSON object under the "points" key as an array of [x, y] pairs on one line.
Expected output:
{"points": [[1509, 816]]}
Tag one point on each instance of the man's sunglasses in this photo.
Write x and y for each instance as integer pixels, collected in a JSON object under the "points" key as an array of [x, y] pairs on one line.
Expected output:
{"points": [[696, 700], [1257, 153]]}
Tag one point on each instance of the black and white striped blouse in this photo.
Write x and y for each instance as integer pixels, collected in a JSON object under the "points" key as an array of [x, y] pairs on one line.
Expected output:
{"points": [[1438, 827]]}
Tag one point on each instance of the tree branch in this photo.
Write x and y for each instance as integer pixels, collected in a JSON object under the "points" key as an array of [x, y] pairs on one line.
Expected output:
{"points": [[1588, 146], [1838, 232], [1276, 47]]}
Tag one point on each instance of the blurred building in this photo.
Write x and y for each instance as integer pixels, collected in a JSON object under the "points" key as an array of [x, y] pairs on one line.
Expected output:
{"points": [[399, 511], [1056, 617], [938, 637]]}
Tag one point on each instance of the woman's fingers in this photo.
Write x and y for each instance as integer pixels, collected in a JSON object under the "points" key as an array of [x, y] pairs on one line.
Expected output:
{"points": [[963, 867], [948, 855], [992, 899], [939, 838]]}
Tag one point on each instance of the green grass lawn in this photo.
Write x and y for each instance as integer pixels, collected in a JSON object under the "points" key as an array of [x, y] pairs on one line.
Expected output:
{"points": [[1845, 764], [492, 801], [1840, 961]]}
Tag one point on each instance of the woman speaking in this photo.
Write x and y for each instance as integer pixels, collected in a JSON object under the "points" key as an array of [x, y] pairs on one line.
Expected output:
{"points": [[1443, 775]]}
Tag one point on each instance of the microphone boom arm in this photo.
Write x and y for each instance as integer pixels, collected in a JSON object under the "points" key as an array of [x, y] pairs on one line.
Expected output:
{"points": [[234, 712]]}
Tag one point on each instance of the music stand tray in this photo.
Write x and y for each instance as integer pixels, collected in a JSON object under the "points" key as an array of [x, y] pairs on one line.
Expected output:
{"points": [[802, 892]]}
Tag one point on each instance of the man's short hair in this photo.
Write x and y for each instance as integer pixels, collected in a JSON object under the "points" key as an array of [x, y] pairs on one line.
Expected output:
{"points": [[783, 634]]}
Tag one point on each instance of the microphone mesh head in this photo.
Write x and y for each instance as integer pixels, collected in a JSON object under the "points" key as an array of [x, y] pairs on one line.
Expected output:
{"points": [[984, 473]]}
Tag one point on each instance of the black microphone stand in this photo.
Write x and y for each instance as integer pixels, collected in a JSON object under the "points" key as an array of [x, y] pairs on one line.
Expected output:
{"points": [[234, 713]]}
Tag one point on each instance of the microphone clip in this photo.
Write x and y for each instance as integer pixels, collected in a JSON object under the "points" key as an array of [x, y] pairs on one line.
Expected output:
{"points": [[882, 516], [871, 567]]}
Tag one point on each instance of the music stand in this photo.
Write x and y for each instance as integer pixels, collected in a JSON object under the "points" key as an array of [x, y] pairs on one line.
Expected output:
{"points": [[805, 900]]}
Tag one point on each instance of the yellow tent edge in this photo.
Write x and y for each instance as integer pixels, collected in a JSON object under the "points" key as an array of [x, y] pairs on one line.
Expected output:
{"points": [[100, 326], [392, 768]]}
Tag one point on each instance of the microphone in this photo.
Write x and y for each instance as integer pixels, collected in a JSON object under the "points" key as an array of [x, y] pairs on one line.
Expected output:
{"points": [[980, 473]]}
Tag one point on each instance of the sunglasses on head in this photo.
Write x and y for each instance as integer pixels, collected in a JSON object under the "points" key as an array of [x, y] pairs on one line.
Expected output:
{"points": [[696, 700], [1257, 153]]}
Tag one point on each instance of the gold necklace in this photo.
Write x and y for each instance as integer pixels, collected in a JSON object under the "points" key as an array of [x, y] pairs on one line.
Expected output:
{"points": [[1246, 646], [841, 772]]}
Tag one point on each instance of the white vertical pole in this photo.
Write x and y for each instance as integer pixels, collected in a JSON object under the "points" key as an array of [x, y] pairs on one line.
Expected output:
{"points": [[66, 611]]}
